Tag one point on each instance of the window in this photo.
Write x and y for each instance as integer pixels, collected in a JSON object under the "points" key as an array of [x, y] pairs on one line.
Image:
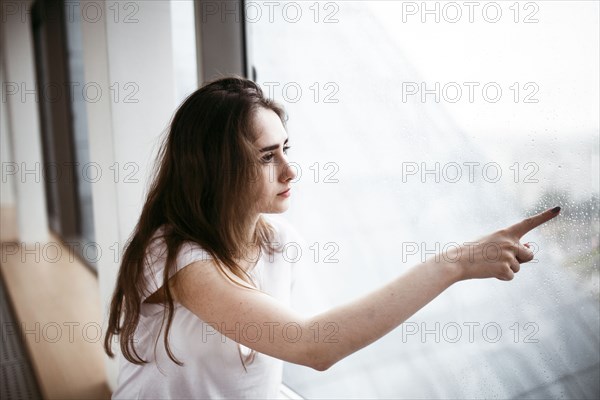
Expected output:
{"points": [[416, 125]]}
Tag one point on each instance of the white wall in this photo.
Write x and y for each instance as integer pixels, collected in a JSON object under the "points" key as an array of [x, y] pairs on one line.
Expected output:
{"points": [[22, 122]]}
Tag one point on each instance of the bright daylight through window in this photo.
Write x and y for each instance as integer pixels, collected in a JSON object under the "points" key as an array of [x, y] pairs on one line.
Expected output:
{"points": [[416, 125]]}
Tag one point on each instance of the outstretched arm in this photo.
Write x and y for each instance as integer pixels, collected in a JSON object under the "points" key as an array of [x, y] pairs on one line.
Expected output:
{"points": [[260, 322]]}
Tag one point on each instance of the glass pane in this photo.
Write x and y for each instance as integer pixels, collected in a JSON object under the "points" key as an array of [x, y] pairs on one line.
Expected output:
{"points": [[416, 125]]}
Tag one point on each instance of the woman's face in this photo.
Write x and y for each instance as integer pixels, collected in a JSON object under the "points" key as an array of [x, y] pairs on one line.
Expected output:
{"points": [[275, 172]]}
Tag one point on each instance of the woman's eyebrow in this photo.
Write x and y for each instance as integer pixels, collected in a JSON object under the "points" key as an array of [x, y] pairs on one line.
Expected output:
{"points": [[273, 147]]}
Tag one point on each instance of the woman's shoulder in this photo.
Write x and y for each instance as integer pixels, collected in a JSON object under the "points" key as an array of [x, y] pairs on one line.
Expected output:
{"points": [[156, 259], [157, 245], [188, 252]]}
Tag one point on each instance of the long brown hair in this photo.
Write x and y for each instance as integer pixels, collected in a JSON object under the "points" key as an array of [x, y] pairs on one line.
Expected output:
{"points": [[204, 190]]}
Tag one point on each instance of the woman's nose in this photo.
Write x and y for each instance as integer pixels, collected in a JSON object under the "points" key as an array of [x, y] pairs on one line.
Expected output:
{"points": [[289, 172]]}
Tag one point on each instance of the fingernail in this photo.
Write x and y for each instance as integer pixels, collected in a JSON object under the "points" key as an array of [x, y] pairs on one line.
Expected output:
{"points": [[556, 209]]}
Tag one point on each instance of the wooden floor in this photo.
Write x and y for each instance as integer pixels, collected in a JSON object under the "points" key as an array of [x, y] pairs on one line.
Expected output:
{"points": [[57, 304]]}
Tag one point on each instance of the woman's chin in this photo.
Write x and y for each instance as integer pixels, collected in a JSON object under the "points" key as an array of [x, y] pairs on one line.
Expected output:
{"points": [[281, 208]]}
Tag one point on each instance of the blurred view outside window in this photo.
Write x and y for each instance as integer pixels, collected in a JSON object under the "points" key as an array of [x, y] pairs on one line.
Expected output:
{"points": [[418, 125]]}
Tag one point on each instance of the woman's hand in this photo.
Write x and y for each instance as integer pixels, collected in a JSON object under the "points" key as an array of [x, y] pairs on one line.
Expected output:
{"points": [[499, 254]]}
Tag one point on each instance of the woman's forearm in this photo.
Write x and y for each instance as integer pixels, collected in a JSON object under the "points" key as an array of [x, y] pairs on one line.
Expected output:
{"points": [[347, 328], [363, 321]]}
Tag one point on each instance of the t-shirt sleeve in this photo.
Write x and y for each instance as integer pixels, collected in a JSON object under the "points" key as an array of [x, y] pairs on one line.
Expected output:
{"points": [[156, 258]]}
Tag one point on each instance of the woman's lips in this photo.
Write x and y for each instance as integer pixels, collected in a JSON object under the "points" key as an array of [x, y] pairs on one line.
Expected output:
{"points": [[284, 193]]}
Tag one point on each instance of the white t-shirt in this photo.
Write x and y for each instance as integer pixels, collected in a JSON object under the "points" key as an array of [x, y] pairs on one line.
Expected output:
{"points": [[212, 366]]}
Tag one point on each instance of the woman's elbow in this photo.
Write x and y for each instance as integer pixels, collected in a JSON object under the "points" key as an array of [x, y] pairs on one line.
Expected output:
{"points": [[319, 359], [312, 353], [321, 366]]}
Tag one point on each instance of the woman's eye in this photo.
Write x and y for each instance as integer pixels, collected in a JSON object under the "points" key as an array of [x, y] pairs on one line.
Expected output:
{"points": [[269, 157]]}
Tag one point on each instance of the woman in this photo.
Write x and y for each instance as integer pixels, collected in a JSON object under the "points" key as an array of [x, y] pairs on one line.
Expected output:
{"points": [[203, 272]]}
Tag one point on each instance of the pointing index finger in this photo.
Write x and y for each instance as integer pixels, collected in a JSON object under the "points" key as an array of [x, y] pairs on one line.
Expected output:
{"points": [[526, 225]]}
